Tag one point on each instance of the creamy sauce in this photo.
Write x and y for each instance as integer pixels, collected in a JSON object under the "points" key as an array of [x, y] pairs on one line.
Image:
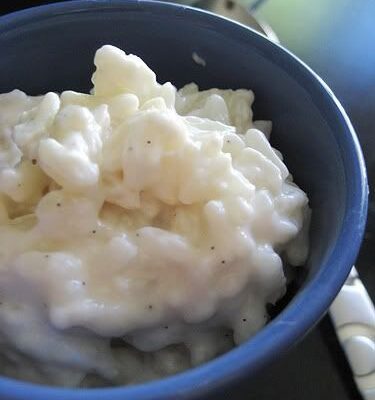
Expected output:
{"points": [[137, 212]]}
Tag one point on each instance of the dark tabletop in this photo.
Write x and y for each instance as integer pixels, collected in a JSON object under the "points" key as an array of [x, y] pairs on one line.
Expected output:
{"points": [[337, 39]]}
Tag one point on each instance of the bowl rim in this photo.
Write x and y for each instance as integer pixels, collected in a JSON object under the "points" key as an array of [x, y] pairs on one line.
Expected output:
{"points": [[306, 308]]}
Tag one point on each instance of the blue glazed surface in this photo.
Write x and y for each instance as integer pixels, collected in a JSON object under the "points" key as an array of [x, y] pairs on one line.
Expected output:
{"points": [[51, 48]]}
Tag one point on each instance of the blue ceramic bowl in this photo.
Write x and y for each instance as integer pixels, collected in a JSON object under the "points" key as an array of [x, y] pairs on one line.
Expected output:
{"points": [[52, 47]]}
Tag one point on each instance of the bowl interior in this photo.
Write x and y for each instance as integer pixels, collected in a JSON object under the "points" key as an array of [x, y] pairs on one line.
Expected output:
{"points": [[54, 49]]}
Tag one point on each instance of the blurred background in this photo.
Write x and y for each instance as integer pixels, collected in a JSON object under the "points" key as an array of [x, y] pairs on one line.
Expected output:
{"points": [[336, 38]]}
